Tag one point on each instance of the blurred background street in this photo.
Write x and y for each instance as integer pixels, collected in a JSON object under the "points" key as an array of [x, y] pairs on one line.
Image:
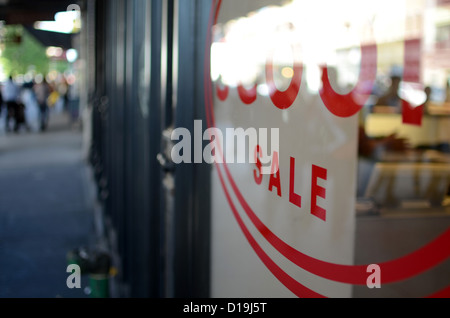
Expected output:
{"points": [[44, 210]]}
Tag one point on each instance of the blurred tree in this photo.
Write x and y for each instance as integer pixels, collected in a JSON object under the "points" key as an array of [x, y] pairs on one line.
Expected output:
{"points": [[22, 52]]}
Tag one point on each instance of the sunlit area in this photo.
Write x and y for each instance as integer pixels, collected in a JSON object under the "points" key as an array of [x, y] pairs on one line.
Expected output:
{"points": [[65, 22], [334, 37]]}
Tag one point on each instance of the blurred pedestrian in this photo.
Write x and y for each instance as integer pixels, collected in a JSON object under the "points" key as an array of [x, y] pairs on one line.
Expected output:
{"points": [[10, 97], [32, 112], [42, 91], [391, 97]]}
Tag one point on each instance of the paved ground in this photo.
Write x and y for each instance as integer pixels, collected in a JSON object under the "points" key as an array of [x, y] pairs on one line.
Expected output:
{"points": [[44, 211]]}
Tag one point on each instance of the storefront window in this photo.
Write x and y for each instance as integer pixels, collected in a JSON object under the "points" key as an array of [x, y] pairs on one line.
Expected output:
{"points": [[359, 91]]}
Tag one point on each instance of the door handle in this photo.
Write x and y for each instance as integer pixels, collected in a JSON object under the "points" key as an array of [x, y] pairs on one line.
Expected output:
{"points": [[167, 164], [163, 157]]}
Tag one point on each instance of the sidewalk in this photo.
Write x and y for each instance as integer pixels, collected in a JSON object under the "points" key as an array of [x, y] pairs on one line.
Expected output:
{"points": [[44, 210]]}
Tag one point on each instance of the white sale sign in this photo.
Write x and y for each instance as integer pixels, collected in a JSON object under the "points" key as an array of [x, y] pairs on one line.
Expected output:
{"points": [[270, 229]]}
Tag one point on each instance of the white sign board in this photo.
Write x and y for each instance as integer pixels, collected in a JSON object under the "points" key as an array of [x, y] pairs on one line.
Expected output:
{"points": [[267, 75], [289, 80]]}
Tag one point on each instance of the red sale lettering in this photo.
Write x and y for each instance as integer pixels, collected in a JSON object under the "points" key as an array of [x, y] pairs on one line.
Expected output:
{"points": [[222, 93], [258, 173], [349, 104], [345, 105], [317, 191], [248, 96], [275, 180], [294, 198], [284, 100]]}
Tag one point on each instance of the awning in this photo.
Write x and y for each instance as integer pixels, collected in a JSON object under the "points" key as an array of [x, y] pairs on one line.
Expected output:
{"points": [[27, 12], [51, 38]]}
